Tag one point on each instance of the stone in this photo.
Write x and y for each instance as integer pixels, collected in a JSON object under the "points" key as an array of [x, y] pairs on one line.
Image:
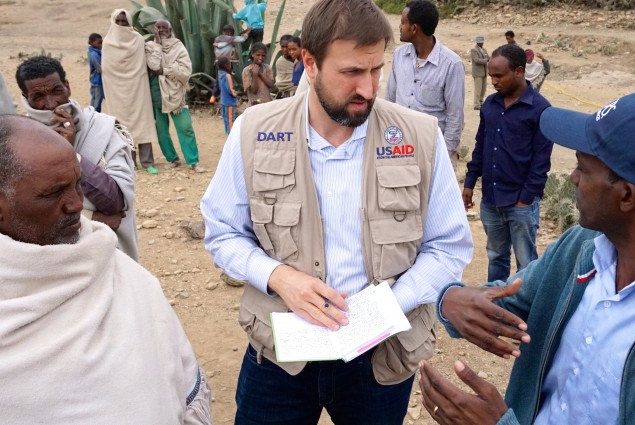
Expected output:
{"points": [[195, 270], [180, 198], [172, 302], [231, 281], [179, 189], [414, 412], [149, 224], [184, 295], [151, 242], [195, 229], [211, 286], [150, 213]]}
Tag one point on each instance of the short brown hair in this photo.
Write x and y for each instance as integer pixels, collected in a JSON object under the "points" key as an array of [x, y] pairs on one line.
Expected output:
{"points": [[329, 20]]}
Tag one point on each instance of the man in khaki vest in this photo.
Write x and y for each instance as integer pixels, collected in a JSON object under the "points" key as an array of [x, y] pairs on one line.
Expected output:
{"points": [[319, 195]]}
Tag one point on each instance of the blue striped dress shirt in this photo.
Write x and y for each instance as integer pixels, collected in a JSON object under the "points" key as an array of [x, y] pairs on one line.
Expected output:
{"points": [[447, 241]]}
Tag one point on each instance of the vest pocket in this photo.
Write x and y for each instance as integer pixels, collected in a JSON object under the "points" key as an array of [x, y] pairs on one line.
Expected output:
{"points": [[273, 169], [396, 359], [399, 187], [286, 216], [261, 215], [275, 227], [397, 243]]}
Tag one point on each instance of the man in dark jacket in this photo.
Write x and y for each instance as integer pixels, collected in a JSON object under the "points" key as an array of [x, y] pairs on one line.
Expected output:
{"points": [[577, 301]]}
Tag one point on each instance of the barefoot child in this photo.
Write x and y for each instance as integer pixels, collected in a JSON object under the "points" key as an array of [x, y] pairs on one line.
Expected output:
{"points": [[258, 77], [227, 93]]}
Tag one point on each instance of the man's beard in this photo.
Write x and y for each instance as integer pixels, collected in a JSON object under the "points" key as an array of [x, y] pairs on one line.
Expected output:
{"points": [[24, 232], [338, 112]]}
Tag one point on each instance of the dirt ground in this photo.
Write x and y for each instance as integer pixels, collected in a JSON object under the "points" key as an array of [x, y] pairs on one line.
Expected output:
{"points": [[592, 58]]}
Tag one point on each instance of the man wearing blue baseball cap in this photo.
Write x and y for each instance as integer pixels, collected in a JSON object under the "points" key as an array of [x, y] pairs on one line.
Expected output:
{"points": [[577, 301]]}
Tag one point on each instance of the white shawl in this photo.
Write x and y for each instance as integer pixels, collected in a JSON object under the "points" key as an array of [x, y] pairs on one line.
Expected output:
{"points": [[171, 56], [126, 82], [534, 72], [87, 337], [98, 140]]}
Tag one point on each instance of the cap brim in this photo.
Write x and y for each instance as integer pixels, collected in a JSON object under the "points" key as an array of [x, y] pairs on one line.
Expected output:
{"points": [[566, 128]]}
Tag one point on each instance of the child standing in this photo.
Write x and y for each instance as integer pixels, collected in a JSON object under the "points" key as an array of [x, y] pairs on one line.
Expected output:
{"points": [[94, 63], [224, 48], [284, 68], [227, 93], [252, 15], [258, 77], [295, 50]]}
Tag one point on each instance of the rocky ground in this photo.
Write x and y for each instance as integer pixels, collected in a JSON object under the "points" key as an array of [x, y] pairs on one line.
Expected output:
{"points": [[593, 61]]}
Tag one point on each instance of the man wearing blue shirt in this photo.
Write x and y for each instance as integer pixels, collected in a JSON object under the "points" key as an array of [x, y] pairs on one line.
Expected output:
{"points": [[513, 157], [577, 301]]}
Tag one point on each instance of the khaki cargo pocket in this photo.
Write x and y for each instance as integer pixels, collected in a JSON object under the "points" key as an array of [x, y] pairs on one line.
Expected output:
{"points": [[261, 215], [273, 169], [396, 359], [399, 242], [399, 187], [286, 216], [275, 226]]}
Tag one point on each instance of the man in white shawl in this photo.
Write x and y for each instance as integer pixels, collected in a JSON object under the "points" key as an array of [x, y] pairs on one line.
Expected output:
{"points": [[86, 334], [108, 176], [126, 86], [535, 71], [171, 67]]}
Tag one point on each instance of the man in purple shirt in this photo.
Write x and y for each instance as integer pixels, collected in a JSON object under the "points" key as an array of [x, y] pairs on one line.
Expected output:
{"points": [[513, 157], [101, 143]]}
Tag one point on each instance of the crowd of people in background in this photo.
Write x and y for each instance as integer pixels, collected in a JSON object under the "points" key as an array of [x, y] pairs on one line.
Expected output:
{"points": [[277, 214]]}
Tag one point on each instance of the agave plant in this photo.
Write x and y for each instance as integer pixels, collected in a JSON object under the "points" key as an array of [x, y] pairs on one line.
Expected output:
{"points": [[197, 23]]}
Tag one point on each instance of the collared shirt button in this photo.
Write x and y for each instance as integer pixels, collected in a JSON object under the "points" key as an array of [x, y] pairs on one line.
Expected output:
{"points": [[495, 149], [329, 194], [317, 264], [576, 371], [563, 406], [494, 183], [588, 340], [607, 304], [498, 129], [503, 113]]}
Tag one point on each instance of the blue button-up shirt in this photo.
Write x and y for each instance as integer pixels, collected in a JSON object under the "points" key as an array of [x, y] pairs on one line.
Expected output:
{"points": [[436, 87], [511, 153], [582, 386]]}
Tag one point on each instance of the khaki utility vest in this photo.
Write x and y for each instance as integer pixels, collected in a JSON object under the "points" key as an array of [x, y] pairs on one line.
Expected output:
{"points": [[399, 155]]}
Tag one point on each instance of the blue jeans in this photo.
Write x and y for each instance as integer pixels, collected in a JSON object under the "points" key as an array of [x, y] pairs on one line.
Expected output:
{"points": [[506, 227], [266, 394]]}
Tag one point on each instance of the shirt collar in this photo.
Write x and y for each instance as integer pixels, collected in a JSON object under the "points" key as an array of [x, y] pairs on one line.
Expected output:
{"points": [[433, 57], [527, 96], [605, 259], [605, 254]]}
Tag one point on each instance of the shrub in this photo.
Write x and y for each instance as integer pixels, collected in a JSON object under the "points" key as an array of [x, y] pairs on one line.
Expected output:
{"points": [[559, 201]]}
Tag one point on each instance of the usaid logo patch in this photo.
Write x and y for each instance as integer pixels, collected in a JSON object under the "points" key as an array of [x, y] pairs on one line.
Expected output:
{"points": [[393, 135], [605, 111]]}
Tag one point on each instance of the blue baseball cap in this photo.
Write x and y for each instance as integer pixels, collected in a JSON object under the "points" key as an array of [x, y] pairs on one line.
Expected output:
{"points": [[608, 135]]}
